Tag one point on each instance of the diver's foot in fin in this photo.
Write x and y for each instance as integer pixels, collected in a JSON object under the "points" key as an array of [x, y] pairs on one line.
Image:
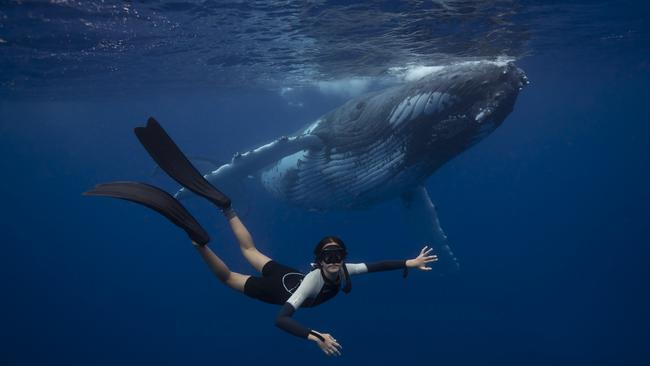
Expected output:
{"points": [[156, 199], [172, 160], [229, 212]]}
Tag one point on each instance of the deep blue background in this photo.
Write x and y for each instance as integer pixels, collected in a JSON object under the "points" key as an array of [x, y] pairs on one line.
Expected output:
{"points": [[548, 215]]}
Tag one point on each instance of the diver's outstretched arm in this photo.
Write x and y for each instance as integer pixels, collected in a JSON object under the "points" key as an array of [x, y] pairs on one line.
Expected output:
{"points": [[420, 262], [245, 240], [325, 341]]}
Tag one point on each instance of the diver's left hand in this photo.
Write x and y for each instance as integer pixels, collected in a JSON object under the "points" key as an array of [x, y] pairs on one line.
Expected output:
{"points": [[420, 262]]}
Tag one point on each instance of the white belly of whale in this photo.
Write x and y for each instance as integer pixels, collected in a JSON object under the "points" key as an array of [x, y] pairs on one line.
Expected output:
{"points": [[317, 180]]}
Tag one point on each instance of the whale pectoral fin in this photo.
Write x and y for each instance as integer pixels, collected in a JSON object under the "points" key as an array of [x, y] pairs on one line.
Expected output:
{"points": [[423, 222], [251, 162]]}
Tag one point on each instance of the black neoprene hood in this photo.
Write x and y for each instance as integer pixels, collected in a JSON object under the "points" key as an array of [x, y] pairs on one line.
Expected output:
{"points": [[327, 240]]}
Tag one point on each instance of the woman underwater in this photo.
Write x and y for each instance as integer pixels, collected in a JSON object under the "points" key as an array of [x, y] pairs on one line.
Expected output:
{"points": [[278, 284]]}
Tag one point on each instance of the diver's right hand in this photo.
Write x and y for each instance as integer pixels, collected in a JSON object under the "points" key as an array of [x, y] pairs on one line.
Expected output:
{"points": [[329, 345]]}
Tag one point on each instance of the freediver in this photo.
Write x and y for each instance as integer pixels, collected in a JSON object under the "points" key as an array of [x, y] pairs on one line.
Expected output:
{"points": [[278, 284]]}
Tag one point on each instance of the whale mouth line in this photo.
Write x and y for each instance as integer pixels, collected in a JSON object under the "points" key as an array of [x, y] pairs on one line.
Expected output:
{"points": [[492, 107], [483, 114], [455, 117]]}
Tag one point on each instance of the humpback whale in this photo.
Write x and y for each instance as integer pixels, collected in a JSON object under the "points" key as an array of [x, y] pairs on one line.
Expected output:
{"points": [[385, 144]]}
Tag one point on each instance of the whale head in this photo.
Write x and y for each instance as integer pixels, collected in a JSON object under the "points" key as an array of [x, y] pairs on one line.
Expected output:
{"points": [[486, 92], [448, 111]]}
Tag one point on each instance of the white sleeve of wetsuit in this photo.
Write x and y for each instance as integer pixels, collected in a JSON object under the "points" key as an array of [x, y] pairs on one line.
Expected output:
{"points": [[309, 287], [356, 268]]}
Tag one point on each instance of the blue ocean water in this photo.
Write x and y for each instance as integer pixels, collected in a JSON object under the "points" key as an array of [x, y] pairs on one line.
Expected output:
{"points": [[548, 215]]}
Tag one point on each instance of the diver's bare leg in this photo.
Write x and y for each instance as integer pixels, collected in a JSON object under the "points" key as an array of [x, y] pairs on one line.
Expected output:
{"points": [[220, 269], [246, 244]]}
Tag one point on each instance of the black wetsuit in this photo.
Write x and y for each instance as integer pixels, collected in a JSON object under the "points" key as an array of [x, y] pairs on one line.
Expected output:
{"points": [[280, 284]]}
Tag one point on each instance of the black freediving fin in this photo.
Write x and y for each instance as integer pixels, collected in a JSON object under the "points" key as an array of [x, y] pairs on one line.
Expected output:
{"points": [[172, 160], [156, 199], [194, 160]]}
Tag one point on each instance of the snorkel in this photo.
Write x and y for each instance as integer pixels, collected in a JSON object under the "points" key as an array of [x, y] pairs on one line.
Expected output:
{"points": [[332, 250]]}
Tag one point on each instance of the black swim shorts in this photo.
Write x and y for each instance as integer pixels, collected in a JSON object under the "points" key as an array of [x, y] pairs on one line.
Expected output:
{"points": [[277, 284]]}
